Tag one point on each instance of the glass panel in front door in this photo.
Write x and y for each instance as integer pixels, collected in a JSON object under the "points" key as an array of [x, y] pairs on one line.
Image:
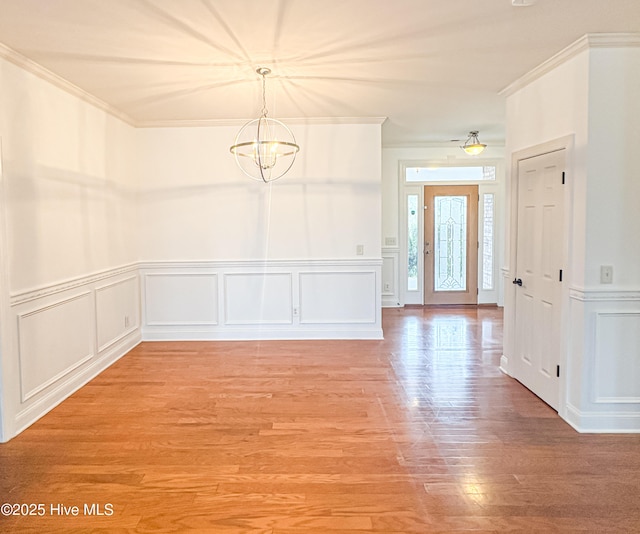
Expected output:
{"points": [[450, 246]]}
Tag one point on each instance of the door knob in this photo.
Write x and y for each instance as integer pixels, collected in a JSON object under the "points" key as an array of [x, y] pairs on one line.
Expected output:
{"points": [[517, 281]]}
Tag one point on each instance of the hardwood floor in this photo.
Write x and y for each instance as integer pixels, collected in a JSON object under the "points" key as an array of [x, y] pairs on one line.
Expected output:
{"points": [[417, 433]]}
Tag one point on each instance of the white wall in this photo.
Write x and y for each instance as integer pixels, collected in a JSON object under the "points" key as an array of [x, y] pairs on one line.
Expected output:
{"points": [[587, 96], [226, 257], [100, 218], [70, 296], [613, 223], [394, 266], [69, 183], [195, 203]]}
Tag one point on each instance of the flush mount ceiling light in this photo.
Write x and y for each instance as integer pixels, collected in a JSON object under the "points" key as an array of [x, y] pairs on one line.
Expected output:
{"points": [[264, 148], [472, 146]]}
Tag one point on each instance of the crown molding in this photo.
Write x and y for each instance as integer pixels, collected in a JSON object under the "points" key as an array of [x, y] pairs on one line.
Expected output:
{"points": [[45, 74], [38, 70], [590, 40], [303, 121]]}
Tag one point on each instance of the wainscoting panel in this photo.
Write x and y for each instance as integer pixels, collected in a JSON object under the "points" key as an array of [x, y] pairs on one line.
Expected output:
{"points": [[117, 311], [181, 298], [258, 298], [617, 365], [64, 334], [53, 341], [338, 297], [603, 368], [274, 299], [390, 277]]}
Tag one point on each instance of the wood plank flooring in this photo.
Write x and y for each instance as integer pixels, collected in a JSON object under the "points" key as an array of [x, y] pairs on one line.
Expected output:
{"points": [[417, 433]]}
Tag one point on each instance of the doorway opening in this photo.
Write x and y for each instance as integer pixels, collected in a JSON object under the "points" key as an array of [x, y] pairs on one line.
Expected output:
{"points": [[453, 259]]}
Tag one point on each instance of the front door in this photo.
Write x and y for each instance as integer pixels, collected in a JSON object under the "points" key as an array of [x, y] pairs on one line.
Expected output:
{"points": [[538, 274], [451, 244]]}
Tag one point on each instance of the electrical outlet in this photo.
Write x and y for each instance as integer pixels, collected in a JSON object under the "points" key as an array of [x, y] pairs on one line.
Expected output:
{"points": [[387, 286], [296, 311], [606, 274], [126, 321], [360, 250]]}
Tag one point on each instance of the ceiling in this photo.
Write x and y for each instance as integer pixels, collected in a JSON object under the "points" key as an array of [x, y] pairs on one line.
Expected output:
{"points": [[434, 68]]}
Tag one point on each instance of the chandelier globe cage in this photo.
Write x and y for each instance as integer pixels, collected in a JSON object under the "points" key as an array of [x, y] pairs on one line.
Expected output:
{"points": [[265, 148]]}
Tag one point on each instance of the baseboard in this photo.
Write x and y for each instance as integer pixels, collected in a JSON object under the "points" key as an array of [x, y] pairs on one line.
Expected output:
{"points": [[73, 383], [504, 365], [258, 334], [602, 422]]}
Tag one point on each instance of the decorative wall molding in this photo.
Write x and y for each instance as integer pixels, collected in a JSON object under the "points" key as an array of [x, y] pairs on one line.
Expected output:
{"points": [[615, 380], [262, 299], [117, 309], [237, 123], [66, 285], [53, 340], [390, 277], [243, 290], [604, 295], [591, 40], [62, 389], [61, 83], [193, 289], [65, 334], [320, 291], [251, 265]]}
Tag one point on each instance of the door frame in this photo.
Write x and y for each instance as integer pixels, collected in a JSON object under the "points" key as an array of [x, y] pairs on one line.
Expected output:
{"points": [[565, 143], [396, 256]]}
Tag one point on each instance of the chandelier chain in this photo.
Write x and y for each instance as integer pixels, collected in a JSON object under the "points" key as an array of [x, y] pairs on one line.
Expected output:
{"points": [[264, 96]]}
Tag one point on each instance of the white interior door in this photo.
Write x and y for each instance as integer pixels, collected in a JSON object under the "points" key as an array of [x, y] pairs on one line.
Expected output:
{"points": [[538, 274]]}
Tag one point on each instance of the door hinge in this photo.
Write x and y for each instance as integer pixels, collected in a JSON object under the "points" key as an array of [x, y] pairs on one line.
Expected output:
{"points": [[558, 371], [562, 177], [560, 277]]}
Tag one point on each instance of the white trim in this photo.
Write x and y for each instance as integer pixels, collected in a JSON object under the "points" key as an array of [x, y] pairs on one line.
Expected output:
{"points": [[504, 365], [169, 274], [135, 327], [333, 331], [604, 295], [258, 264], [596, 368], [6, 339], [267, 323], [590, 40], [26, 395], [58, 287], [50, 400], [238, 123], [61, 83], [602, 422]]}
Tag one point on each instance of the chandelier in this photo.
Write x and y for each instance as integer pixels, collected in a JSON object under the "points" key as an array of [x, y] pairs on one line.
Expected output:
{"points": [[264, 148], [472, 146]]}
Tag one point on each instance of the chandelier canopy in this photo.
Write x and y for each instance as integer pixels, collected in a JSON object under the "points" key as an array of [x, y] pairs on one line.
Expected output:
{"points": [[265, 148]]}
